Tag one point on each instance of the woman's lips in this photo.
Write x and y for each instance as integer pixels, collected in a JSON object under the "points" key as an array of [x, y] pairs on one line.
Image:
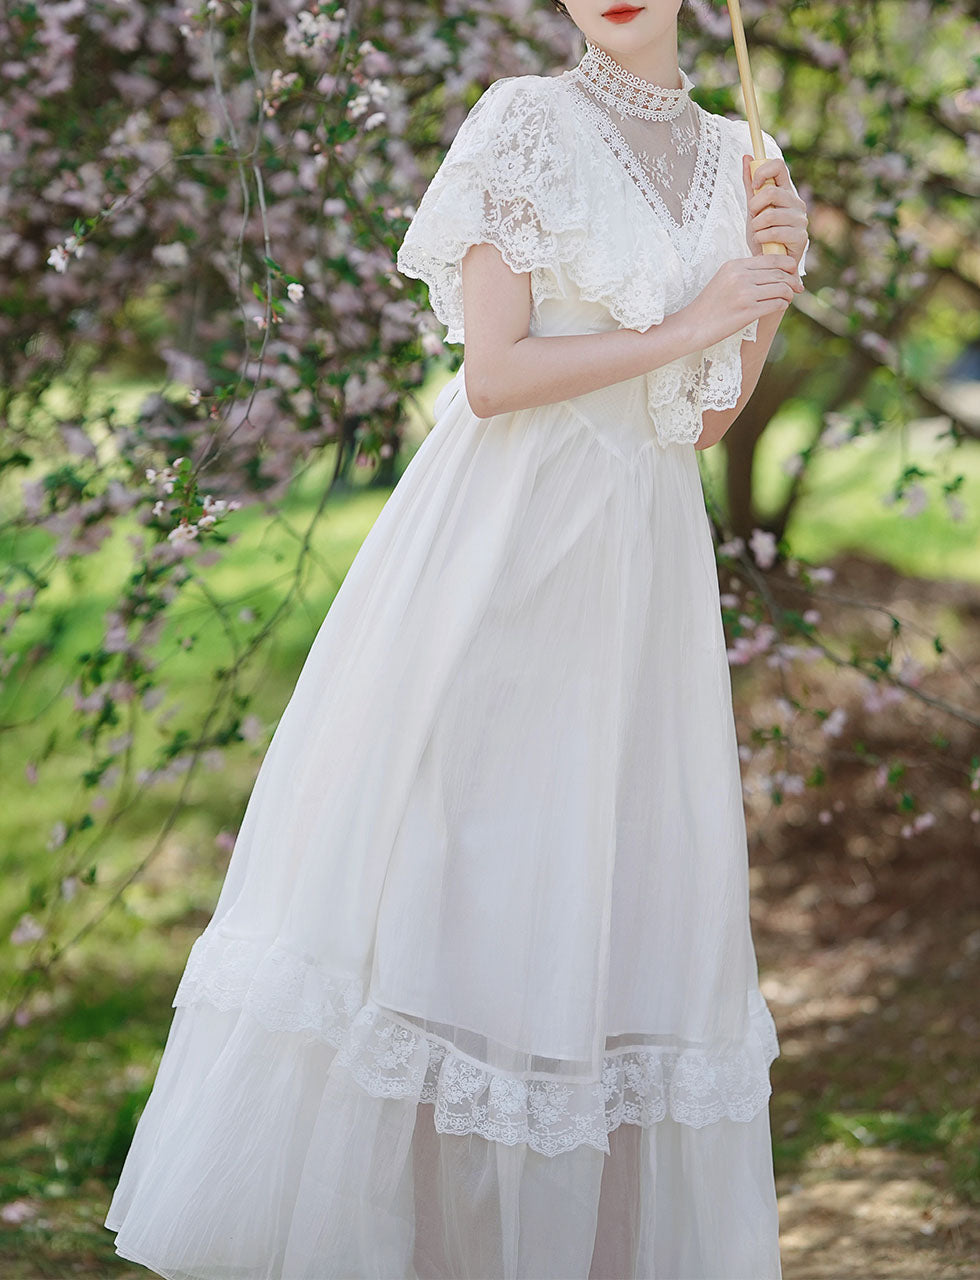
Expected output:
{"points": [[621, 14]]}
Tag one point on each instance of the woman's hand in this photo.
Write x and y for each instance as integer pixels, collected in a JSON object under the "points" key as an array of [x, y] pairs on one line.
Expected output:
{"points": [[774, 213], [740, 291]]}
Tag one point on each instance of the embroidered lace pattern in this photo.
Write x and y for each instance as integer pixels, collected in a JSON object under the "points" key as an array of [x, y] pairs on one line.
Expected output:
{"points": [[638, 225], [393, 1056], [512, 178], [651, 172]]}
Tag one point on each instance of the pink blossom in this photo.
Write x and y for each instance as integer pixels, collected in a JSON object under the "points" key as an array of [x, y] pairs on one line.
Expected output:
{"points": [[26, 931], [733, 547], [822, 573], [955, 507], [916, 500], [763, 545], [879, 695], [833, 725], [251, 728], [793, 465], [18, 1211], [57, 836]]}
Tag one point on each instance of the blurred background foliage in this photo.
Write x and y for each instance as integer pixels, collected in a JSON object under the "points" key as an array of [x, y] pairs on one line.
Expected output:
{"points": [[211, 375]]}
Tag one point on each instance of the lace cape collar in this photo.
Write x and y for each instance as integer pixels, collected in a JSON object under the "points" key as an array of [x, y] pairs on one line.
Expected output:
{"points": [[688, 238]]}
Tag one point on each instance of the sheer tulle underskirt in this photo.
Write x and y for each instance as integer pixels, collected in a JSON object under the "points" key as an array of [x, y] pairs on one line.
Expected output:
{"points": [[280, 1166]]}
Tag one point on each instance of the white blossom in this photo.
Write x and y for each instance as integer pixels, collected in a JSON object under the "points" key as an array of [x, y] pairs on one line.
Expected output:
{"points": [[295, 292], [170, 255], [183, 533]]}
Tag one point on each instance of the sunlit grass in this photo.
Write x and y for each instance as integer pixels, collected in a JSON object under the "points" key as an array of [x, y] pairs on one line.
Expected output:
{"points": [[841, 507]]}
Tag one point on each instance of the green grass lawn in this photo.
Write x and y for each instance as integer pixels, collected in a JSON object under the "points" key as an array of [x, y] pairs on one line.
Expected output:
{"points": [[841, 508]]}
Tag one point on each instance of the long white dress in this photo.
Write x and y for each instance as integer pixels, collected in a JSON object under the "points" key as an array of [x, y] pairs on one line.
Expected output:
{"points": [[479, 999]]}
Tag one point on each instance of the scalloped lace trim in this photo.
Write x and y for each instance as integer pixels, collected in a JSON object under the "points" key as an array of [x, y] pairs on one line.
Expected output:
{"points": [[679, 393], [509, 178], [392, 1057]]}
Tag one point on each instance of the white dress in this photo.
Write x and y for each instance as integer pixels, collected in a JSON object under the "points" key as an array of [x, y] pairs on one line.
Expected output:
{"points": [[479, 999]]}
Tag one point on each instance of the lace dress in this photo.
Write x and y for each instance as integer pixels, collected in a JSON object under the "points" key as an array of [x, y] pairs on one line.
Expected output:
{"points": [[479, 999]]}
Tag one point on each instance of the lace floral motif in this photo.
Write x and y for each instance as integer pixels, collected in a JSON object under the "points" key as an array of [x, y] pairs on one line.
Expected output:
{"points": [[696, 201], [521, 174], [513, 178], [392, 1057]]}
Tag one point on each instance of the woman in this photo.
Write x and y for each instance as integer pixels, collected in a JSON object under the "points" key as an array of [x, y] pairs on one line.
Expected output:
{"points": [[479, 998]]}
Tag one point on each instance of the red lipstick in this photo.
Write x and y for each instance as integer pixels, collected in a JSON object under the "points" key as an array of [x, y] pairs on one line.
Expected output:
{"points": [[622, 12]]}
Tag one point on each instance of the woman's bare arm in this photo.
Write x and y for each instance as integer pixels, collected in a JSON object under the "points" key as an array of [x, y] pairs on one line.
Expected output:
{"points": [[505, 368]]}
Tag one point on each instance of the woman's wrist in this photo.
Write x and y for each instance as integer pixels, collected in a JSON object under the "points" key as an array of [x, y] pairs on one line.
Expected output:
{"points": [[675, 336]]}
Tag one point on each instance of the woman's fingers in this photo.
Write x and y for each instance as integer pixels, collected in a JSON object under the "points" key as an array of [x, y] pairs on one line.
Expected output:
{"points": [[771, 195], [772, 167], [769, 261], [771, 214], [791, 237], [777, 269]]}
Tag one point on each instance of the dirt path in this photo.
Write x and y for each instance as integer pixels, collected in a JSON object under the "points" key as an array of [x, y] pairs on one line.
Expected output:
{"points": [[875, 1215]]}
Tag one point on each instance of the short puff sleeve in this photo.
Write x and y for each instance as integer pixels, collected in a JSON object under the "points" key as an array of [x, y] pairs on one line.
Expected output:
{"points": [[507, 180]]}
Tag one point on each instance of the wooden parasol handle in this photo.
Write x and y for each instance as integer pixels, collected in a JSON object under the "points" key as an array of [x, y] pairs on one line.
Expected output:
{"points": [[751, 107]]}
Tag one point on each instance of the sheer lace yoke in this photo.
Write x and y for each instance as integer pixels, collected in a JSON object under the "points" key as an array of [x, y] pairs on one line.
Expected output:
{"points": [[673, 163]]}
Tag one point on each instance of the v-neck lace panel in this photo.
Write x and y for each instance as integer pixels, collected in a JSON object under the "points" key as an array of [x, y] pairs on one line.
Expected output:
{"points": [[673, 163]]}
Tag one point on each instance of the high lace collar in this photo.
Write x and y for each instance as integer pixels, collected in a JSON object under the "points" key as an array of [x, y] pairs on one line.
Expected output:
{"points": [[631, 94]]}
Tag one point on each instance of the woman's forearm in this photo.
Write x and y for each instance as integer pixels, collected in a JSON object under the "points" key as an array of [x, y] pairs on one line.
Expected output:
{"points": [[549, 368], [717, 421]]}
